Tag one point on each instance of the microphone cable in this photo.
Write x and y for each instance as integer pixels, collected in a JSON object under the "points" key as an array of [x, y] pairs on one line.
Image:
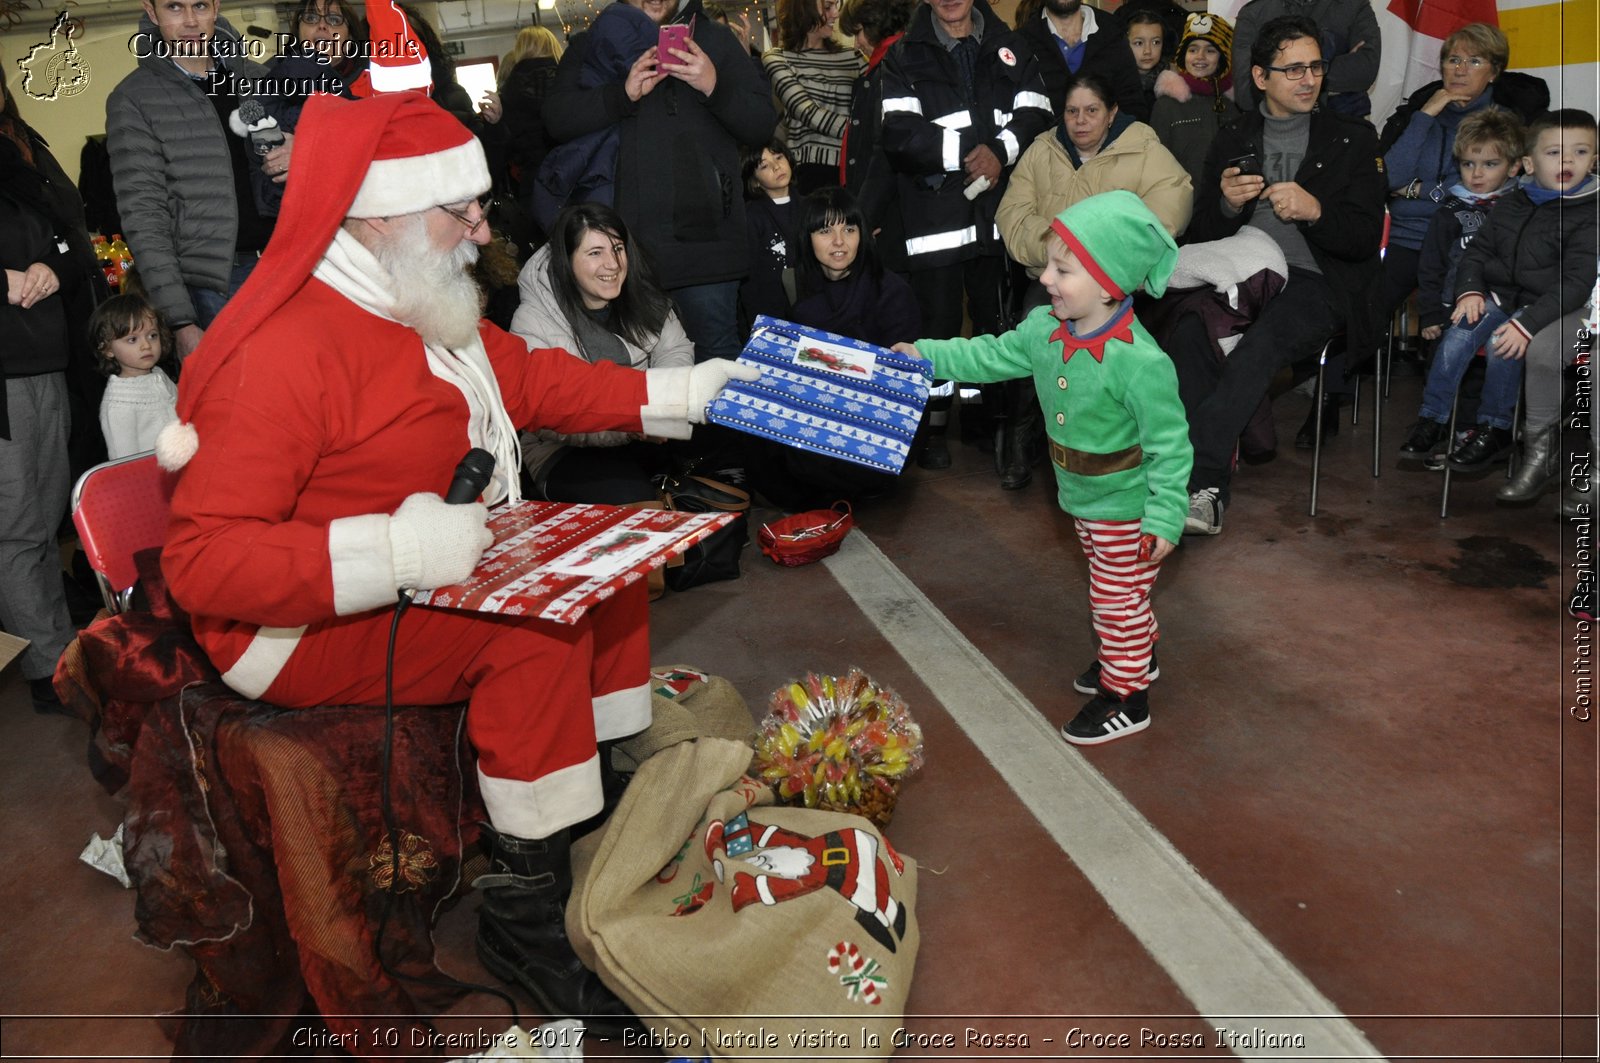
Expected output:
{"points": [[392, 832], [472, 475]]}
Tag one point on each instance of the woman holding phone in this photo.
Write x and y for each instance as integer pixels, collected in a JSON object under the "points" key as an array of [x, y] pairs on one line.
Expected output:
{"points": [[813, 76], [680, 121]]}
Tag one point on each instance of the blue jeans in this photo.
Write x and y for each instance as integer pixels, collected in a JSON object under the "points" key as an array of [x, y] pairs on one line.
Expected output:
{"points": [[208, 304], [1457, 347], [710, 315]]}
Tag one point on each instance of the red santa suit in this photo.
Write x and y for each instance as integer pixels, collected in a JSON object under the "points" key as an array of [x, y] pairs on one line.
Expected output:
{"points": [[312, 415]]}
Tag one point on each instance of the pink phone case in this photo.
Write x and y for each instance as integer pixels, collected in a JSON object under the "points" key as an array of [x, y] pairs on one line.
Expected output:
{"points": [[672, 37]]}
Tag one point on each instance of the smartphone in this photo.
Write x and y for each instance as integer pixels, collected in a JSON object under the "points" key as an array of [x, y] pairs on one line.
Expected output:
{"points": [[1249, 165], [672, 37]]}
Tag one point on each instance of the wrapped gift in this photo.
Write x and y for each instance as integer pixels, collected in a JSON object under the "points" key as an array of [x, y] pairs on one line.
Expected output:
{"points": [[555, 560], [828, 394]]}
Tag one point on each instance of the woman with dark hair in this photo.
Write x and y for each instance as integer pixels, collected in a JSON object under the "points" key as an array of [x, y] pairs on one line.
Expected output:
{"points": [[840, 283], [840, 287], [812, 75], [590, 292], [327, 55]]}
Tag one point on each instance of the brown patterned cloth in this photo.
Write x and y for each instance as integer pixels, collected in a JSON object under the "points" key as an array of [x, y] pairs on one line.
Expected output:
{"points": [[255, 840]]}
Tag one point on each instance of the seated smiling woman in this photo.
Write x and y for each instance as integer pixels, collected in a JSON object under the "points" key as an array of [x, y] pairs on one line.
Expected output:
{"points": [[590, 292]]}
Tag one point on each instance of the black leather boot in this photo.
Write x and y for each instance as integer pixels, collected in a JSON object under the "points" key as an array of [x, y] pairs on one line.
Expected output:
{"points": [[929, 447], [522, 932], [1019, 445], [1306, 437]]}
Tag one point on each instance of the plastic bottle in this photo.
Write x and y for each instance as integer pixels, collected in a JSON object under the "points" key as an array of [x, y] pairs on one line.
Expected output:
{"points": [[124, 260], [102, 255]]}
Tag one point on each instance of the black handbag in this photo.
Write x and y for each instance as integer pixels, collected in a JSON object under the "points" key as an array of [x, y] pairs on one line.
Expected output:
{"points": [[717, 556]]}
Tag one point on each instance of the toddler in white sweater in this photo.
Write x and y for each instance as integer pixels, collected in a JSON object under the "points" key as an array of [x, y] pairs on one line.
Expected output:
{"points": [[132, 342]]}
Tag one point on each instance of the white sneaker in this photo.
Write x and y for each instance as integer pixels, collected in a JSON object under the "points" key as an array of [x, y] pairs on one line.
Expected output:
{"points": [[1205, 512]]}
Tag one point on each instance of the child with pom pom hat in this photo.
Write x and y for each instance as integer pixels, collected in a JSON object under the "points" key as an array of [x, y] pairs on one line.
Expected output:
{"points": [[1118, 435]]}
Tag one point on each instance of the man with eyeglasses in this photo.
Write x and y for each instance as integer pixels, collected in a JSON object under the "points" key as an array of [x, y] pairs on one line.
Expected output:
{"points": [[1312, 181], [182, 179], [319, 420], [1351, 44]]}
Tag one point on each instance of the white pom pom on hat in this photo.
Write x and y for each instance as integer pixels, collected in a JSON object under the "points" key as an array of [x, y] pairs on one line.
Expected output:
{"points": [[176, 444]]}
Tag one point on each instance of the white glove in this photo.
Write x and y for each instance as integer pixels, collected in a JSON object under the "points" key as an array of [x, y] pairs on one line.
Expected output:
{"points": [[434, 544], [707, 379]]}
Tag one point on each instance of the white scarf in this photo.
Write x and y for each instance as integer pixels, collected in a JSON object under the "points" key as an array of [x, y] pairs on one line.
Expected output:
{"points": [[355, 273]]}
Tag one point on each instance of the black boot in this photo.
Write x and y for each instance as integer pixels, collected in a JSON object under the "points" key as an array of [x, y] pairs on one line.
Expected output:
{"points": [[929, 447], [1306, 437], [522, 932], [1020, 443]]}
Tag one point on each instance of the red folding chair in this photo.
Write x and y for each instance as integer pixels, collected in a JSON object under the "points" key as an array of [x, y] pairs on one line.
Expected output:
{"points": [[120, 508]]}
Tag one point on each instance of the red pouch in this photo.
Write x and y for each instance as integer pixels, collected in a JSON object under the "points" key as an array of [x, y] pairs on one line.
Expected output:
{"points": [[806, 537]]}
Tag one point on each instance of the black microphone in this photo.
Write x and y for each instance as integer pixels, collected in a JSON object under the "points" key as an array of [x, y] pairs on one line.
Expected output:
{"points": [[261, 140], [472, 476]]}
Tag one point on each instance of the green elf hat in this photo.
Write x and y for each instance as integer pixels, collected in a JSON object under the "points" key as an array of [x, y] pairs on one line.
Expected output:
{"points": [[1120, 243]]}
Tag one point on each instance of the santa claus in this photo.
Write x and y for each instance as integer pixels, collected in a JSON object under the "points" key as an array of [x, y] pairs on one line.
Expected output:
{"points": [[322, 411]]}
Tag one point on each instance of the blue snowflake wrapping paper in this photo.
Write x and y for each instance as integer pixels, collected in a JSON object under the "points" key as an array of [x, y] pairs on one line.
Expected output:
{"points": [[827, 393]]}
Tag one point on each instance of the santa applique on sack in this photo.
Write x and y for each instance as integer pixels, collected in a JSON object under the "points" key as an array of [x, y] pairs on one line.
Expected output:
{"points": [[793, 865]]}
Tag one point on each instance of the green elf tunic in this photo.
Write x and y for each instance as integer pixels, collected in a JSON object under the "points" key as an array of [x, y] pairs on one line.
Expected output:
{"points": [[1119, 437]]}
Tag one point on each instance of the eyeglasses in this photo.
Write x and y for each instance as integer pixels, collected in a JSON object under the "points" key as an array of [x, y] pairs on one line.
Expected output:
{"points": [[1456, 62], [461, 215], [311, 18], [1297, 71]]}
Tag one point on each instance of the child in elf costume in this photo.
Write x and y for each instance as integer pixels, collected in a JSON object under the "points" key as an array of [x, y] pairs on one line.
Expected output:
{"points": [[1118, 436]]}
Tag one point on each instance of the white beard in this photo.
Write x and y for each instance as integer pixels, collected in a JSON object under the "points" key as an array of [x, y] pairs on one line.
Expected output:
{"points": [[434, 291]]}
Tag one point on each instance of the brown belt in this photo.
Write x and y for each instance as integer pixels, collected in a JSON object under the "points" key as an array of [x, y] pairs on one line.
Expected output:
{"points": [[1085, 463]]}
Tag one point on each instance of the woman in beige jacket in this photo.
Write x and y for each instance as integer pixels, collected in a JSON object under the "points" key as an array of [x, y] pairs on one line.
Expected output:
{"points": [[1094, 149]]}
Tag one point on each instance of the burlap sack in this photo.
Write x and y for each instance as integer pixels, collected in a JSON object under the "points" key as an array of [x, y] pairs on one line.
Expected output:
{"points": [[736, 928]]}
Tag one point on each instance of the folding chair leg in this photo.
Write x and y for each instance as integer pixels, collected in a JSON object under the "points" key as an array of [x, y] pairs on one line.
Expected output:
{"points": [[1316, 435], [1379, 385], [1449, 443]]}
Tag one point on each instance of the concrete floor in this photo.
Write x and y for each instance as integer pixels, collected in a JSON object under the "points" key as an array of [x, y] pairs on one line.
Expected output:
{"points": [[1362, 814]]}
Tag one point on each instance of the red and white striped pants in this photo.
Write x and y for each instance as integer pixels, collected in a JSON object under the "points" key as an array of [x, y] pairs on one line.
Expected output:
{"points": [[1119, 601]]}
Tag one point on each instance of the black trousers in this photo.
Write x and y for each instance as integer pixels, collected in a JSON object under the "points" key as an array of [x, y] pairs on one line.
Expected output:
{"points": [[942, 294], [944, 291], [1221, 397]]}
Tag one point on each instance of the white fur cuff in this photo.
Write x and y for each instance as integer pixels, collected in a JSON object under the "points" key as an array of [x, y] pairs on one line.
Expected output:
{"points": [[666, 409]]}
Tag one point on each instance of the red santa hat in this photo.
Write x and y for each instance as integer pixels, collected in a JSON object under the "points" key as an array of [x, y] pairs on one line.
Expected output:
{"points": [[398, 60], [399, 153]]}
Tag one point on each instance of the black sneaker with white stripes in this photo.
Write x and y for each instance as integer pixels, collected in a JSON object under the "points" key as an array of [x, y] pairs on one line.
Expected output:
{"points": [[1089, 681], [1107, 718]]}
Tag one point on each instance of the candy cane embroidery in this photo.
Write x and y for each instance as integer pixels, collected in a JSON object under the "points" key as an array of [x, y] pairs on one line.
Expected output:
{"points": [[860, 976]]}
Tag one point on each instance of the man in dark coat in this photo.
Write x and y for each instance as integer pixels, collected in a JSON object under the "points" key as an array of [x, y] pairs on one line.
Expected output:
{"points": [[1069, 37], [1318, 191], [962, 98]]}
